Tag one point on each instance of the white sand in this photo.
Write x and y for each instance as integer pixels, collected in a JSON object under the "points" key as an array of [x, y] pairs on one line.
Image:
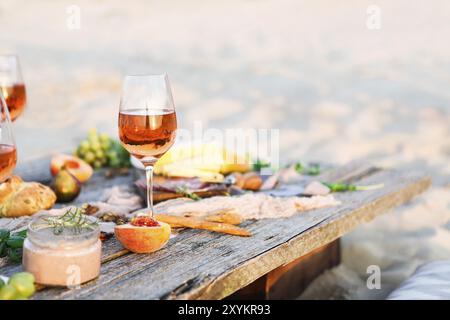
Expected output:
{"points": [[310, 68]]}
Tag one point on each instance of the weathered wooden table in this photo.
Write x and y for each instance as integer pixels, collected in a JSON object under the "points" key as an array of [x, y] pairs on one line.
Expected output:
{"points": [[278, 261]]}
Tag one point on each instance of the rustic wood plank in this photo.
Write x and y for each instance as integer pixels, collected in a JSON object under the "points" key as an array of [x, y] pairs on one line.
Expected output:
{"points": [[289, 281], [184, 256], [200, 264], [357, 208], [347, 173]]}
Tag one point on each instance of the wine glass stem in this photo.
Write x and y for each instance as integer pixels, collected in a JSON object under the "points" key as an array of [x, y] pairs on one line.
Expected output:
{"points": [[149, 176]]}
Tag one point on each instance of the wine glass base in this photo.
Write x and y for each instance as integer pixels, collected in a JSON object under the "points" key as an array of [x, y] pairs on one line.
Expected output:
{"points": [[144, 212]]}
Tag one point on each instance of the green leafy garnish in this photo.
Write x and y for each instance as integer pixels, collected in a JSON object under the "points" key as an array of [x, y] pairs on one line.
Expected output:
{"points": [[310, 170], [15, 242], [22, 233], [260, 164], [3, 248], [15, 254], [11, 244], [4, 234], [342, 187], [187, 193]]}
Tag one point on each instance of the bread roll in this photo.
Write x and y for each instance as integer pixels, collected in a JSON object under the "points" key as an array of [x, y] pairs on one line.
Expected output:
{"points": [[18, 198]]}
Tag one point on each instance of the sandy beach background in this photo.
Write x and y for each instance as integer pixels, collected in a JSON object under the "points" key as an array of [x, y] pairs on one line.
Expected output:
{"points": [[335, 89]]}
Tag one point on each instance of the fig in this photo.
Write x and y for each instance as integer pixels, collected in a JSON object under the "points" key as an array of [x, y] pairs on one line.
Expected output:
{"points": [[66, 186]]}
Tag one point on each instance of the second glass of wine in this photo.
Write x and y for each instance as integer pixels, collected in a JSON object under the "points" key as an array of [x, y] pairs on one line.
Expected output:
{"points": [[8, 154], [147, 123], [12, 85]]}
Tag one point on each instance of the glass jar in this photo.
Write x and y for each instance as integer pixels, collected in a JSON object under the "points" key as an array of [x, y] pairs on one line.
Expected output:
{"points": [[66, 257]]}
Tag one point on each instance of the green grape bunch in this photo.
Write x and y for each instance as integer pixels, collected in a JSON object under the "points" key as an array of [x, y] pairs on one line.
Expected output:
{"points": [[19, 287], [101, 151]]}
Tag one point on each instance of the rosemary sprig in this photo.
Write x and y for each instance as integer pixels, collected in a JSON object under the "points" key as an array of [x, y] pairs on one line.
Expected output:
{"points": [[341, 187], [312, 169], [187, 193], [260, 164], [74, 220]]}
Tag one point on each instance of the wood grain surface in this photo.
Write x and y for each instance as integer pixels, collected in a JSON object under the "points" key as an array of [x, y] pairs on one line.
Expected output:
{"points": [[198, 264]]}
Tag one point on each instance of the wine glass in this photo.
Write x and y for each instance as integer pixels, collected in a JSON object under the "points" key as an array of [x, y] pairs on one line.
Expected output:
{"points": [[8, 154], [147, 123], [11, 85]]}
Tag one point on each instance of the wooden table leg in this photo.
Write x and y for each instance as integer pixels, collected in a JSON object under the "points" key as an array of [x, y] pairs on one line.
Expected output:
{"points": [[289, 281]]}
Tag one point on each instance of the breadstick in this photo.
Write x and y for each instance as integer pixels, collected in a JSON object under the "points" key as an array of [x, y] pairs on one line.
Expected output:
{"points": [[229, 217], [195, 223]]}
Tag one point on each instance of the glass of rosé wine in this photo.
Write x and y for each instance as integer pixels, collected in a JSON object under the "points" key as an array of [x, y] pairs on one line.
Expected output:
{"points": [[8, 154], [147, 123], [11, 85]]}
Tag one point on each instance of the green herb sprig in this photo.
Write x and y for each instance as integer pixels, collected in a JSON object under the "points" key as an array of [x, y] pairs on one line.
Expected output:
{"points": [[11, 244], [260, 164], [342, 187], [187, 193], [74, 219], [312, 169]]}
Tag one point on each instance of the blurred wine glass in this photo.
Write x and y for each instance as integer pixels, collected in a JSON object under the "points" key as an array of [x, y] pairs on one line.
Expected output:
{"points": [[147, 122], [11, 85], [8, 154]]}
